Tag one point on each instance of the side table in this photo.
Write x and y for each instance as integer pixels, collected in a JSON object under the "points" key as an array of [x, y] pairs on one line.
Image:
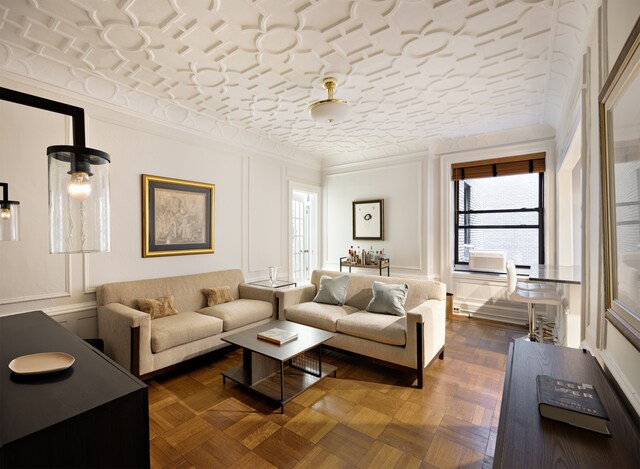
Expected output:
{"points": [[277, 284]]}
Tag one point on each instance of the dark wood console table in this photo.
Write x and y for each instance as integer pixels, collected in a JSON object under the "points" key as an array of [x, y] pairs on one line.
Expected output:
{"points": [[527, 440], [380, 266], [94, 414]]}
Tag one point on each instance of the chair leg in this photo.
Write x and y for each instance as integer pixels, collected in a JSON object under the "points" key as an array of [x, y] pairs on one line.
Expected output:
{"points": [[532, 323]]}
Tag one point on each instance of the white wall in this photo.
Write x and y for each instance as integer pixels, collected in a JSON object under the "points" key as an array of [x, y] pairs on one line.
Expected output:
{"points": [[251, 214], [401, 183]]}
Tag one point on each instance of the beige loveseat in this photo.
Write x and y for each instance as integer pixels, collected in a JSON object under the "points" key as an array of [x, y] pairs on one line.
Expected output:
{"points": [[145, 346], [411, 341]]}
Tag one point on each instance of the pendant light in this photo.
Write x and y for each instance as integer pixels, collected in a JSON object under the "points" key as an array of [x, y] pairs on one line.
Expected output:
{"points": [[330, 110], [9, 216], [78, 199]]}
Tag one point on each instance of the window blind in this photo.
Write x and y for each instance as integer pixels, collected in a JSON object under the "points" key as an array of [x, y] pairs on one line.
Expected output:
{"points": [[532, 163]]}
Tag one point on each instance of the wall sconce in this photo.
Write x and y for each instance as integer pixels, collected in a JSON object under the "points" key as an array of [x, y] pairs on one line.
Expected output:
{"points": [[78, 199], [9, 216]]}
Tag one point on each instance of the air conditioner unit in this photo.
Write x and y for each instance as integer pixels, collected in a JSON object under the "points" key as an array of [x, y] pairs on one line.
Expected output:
{"points": [[488, 261]]}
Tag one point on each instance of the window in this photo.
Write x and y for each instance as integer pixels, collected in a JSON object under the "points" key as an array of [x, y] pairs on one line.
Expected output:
{"points": [[500, 208]]}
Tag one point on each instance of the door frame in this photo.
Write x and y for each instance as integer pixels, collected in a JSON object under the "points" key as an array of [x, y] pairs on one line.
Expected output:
{"points": [[312, 189]]}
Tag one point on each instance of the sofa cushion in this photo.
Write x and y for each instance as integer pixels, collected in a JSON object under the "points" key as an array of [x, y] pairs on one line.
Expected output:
{"points": [[182, 328], [332, 291], [157, 307], [218, 295], [383, 328], [239, 313], [388, 298], [318, 315]]}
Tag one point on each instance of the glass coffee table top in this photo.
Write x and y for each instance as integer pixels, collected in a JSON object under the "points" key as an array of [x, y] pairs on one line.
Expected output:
{"points": [[276, 284]]}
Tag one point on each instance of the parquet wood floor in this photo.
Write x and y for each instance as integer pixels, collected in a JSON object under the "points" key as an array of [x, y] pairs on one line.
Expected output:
{"points": [[367, 416]]}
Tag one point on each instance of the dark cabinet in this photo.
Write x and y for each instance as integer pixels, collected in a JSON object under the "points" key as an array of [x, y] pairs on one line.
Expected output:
{"points": [[525, 439], [94, 414]]}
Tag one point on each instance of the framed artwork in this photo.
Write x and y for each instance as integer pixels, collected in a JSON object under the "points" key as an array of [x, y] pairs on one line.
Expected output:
{"points": [[177, 217], [620, 157], [368, 219]]}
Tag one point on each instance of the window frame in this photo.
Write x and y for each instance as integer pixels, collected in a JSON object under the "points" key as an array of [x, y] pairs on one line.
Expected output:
{"points": [[467, 212]]}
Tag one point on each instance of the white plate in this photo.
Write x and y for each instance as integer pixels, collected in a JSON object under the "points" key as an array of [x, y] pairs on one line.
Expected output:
{"points": [[39, 363]]}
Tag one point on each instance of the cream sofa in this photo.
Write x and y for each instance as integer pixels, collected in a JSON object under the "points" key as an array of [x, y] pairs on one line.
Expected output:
{"points": [[411, 341], [147, 347]]}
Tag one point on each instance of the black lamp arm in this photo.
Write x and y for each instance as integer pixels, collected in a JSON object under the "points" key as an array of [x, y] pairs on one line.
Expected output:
{"points": [[76, 113]]}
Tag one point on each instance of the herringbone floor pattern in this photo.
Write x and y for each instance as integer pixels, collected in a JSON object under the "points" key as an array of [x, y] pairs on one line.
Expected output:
{"points": [[368, 416]]}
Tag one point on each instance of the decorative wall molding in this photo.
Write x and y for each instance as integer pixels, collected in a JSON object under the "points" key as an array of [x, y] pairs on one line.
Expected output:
{"points": [[80, 319], [46, 296], [88, 306], [254, 248], [494, 141]]}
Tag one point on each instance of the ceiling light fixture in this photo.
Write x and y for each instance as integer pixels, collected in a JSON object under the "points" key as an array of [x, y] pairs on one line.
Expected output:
{"points": [[330, 110], [9, 216], [78, 199]]}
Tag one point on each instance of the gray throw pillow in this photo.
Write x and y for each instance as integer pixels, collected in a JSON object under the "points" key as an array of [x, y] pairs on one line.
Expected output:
{"points": [[388, 298], [333, 290]]}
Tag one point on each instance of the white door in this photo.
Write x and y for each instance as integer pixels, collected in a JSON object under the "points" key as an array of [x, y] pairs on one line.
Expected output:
{"points": [[303, 235]]}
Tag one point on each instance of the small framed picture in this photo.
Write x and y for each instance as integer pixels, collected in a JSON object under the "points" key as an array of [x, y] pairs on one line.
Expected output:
{"points": [[177, 217], [368, 219]]}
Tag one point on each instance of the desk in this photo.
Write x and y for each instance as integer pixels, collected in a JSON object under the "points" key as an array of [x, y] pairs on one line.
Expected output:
{"points": [[527, 440], [571, 274], [94, 414], [568, 278]]}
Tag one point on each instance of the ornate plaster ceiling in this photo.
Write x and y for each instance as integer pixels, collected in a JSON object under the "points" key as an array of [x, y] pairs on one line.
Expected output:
{"points": [[246, 71]]}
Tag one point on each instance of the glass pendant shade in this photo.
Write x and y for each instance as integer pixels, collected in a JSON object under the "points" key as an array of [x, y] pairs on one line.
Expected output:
{"points": [[9, 216], [78, 200], [329, 110]]}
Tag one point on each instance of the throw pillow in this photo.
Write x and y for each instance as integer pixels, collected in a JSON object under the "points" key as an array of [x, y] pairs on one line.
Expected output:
{"points": [[157, 307], [333, 290], [388, 298], [218, 295]]}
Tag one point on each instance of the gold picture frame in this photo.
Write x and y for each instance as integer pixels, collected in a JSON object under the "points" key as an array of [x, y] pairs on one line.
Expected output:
{"points": [[620, 158], [177, 217], [368, 219]]}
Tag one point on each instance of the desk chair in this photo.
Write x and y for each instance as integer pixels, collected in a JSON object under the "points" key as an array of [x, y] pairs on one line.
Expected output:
{"points": [[519, 292]]}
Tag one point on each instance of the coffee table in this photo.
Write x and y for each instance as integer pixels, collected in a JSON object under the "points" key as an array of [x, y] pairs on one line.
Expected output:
{"points": [[280, 372]]}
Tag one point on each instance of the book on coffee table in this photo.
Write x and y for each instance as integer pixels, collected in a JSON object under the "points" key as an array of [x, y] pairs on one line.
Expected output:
{"points": [[278, 336], [577, 404]]}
